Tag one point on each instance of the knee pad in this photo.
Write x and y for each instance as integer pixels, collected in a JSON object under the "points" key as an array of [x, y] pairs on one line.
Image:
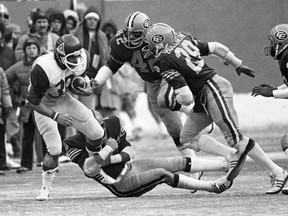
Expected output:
{"points": [[50, 161]]}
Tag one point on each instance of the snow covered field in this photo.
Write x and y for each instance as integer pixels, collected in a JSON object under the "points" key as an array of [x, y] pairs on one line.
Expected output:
{"points": [[253, 112]]}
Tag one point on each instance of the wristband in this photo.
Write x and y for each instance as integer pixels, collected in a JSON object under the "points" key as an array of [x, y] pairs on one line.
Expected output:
{"points": [[116, 159], [55, 116], [105, 152]]}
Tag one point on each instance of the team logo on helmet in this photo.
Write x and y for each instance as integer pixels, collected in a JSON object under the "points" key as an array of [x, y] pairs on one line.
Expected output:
{"points": [[281, 35], [146, 23], [158, 38], [60, 49]]}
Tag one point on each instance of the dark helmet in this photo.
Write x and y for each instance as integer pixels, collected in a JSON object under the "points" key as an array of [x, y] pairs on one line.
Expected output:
{"points": [[69, 45]]}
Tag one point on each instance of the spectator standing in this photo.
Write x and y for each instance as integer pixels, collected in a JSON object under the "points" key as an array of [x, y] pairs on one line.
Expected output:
{"points": [[7, 58], [72, 20], [20, 73], [57, 22], [105, 100], [5, 107], [46, 38]]}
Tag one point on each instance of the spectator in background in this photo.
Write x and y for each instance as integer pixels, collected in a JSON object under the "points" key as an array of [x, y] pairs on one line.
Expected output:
{"points": [[20, 73], [46, 38], [4, 14], [57, 23], [72, 20], [16, 34], [5, 107], [7, 58], [93, 39]]}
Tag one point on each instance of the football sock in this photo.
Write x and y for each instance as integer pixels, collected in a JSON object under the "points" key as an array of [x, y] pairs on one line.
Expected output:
{"points": [[210, 145], [48, 177], [186, 182], [259, 156], [200, 164]]}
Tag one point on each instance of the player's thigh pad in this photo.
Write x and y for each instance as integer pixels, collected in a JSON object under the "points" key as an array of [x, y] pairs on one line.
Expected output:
{"points": [[48, 129]]}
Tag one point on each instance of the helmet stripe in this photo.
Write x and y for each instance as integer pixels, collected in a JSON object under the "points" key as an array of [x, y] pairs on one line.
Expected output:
{"points": [[131, 19]]}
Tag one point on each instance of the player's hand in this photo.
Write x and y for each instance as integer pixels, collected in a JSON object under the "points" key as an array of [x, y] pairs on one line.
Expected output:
{"points": [[94, 84], [246, 70], [90, 167], [264, 91], [64, 119]]}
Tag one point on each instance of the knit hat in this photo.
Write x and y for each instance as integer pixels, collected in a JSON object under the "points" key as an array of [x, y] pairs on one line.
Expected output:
{"points": [[58, 16], [30, 41], [39, 15]]}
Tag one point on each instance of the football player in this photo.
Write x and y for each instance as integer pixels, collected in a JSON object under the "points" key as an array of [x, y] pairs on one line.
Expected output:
{"points": [[128, 45], [116, 168], [48, 96], [179, 61], [278, 49]]}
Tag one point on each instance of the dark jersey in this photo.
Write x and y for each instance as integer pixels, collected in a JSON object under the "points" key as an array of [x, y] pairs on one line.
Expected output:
{"points": [[181, 63], [283, 63], [78, 153], [120, 54]]}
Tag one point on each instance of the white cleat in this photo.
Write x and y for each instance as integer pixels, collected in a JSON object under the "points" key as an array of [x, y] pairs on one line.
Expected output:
{"points": [[44, 194], [278, 182]]}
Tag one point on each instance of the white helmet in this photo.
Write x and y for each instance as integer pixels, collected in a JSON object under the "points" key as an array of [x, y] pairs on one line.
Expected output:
{"points": [[158, 36], [4, 14], [136, 25], [278, 38]]}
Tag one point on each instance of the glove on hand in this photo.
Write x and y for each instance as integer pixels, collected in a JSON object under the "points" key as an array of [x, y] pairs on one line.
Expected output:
{"points": [[246, 70], [265, 90]]}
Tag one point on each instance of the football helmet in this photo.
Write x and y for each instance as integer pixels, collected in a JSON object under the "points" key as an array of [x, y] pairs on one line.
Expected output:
{"points": [[158, 36], [136, 25], [278, 38], [4, 14], [69, 52]]}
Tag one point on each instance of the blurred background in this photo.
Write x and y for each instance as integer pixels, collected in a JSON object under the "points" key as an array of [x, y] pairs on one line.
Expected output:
{"points": [[241, 25]]}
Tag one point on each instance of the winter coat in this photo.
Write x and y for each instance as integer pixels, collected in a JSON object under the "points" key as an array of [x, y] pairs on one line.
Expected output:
{"points": [[47, 43], [20, 73], [100, 40], [5, 99]]}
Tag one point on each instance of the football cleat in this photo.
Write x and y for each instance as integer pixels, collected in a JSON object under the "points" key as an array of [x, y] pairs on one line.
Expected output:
{"points": [[222, 184], [285, 191], [238, 159], [44, 194], [278, 182]]}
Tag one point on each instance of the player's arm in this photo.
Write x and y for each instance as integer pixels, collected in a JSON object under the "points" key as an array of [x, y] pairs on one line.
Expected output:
{"points": [[229, 58], [266, 90], [111, 66], [39, 83], [182, 92]]}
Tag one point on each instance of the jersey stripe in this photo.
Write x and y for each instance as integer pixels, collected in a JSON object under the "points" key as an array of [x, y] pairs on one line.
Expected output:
{"points": [[224, 110]]}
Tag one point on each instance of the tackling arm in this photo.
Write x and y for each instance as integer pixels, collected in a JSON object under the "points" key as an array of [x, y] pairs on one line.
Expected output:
{"points": [[102, 76], [224, 53], [229, 58]]}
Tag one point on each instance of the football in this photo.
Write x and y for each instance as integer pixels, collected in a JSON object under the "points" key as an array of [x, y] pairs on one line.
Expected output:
{"points": [[78, 82]]}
